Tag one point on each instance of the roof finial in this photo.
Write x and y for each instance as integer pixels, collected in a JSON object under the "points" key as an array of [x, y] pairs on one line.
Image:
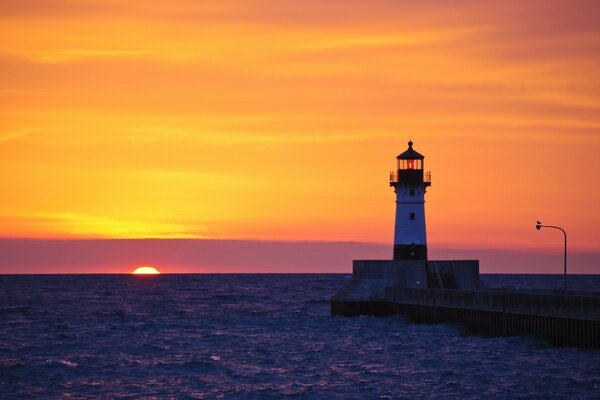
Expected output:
{"points": [[410, 143]]}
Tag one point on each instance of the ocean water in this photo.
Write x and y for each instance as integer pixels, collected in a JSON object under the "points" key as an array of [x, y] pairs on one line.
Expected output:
{"points": [[259, 337]]}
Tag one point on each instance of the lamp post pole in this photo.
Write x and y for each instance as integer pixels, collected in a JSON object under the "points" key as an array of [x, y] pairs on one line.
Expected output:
{"points": [[538, 226]]}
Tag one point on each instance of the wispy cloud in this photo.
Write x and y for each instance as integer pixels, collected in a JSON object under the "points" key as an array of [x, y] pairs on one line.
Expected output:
{"points": [[65, 55]]}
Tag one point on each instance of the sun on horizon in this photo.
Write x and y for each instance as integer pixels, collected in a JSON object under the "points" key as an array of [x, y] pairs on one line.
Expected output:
{"points": [[146, 270]]}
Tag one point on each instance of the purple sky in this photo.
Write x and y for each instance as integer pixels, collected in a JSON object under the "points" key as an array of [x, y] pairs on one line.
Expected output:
{"points": [[239, 256]]}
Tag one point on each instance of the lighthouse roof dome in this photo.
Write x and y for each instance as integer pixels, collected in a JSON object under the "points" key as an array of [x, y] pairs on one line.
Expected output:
{"points": [[410, 154]]}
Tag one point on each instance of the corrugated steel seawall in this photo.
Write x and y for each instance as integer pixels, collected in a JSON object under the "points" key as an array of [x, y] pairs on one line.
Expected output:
{"points": [[562, 319]]}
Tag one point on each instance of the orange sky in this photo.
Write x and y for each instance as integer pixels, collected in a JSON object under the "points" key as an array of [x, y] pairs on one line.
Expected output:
{"points": [[280, 120]]}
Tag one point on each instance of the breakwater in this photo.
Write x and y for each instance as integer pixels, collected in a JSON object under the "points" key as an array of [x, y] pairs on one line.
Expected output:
{"points": [[388, 288]]}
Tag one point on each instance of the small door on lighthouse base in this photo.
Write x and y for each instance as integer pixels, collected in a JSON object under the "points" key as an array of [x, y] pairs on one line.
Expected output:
{"points": [[410, 185]]}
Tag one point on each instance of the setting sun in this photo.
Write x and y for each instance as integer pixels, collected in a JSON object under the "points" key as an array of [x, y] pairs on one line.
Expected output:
{"points": [[146, 271]]}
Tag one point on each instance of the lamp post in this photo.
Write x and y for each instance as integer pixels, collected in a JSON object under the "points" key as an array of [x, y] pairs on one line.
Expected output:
{"points": [[538, 226]]}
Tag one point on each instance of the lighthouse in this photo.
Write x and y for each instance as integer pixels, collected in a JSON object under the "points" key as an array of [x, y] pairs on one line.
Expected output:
{"points": [[409, 282], [410, 184]]}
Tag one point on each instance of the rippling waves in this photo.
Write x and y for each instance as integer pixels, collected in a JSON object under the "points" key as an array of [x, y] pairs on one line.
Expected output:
{"points": [[256, 336]]}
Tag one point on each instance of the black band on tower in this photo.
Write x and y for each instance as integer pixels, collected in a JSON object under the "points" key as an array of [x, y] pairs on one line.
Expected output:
{"points": [[410, 252]]}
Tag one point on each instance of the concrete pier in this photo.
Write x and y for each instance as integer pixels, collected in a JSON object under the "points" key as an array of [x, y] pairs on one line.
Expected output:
{"points": [[451, 292]]}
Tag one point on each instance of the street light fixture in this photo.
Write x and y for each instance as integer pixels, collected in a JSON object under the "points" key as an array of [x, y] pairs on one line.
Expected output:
{"points": [[538, 226]]}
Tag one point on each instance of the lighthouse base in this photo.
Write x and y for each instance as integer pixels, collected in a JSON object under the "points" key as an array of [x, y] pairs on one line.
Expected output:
{"points": [[372, 279]]}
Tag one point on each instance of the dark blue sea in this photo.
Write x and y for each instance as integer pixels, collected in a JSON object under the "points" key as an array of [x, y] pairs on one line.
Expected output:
{"points": [[260, 337]]}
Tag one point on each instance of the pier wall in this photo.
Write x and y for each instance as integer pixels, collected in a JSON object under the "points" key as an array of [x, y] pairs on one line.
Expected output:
{"points": [[557, 331], [519, 302], [562, 319]]}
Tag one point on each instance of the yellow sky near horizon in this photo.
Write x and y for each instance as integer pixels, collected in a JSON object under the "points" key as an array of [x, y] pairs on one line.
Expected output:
{"points": [[281, 120]]}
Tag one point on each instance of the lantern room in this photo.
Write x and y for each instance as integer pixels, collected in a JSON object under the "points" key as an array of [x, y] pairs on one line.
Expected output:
{"points": [[409, 169]]}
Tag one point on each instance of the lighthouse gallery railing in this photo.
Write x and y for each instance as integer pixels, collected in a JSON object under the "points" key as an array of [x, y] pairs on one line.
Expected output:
{"points": [[394, 176]]}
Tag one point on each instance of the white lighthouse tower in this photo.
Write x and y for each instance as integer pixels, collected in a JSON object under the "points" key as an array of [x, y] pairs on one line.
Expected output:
{"points": [[410, 184]]}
